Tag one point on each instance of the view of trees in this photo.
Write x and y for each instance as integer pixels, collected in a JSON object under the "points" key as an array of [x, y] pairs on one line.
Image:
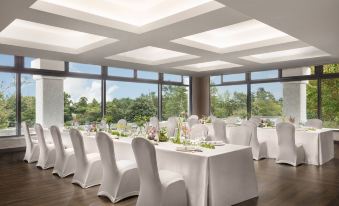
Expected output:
{"points": [[174, 100]]}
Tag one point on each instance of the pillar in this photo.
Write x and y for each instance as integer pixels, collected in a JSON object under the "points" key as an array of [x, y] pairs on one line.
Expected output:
{"points": [[201, 96], [49, 102]]}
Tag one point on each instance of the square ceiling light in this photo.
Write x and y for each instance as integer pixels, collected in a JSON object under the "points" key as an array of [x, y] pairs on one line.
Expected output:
{"points": [[151, 56], [136, 16], [286, 55], [237, 37], [208, 66], [40, 36]]}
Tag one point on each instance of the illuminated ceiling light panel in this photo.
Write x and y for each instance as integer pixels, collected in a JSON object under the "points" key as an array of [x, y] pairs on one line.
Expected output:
{"points": [[40, 36], [237, 37], [286, 55], [152, 56], [207, 66], [136, 16]]}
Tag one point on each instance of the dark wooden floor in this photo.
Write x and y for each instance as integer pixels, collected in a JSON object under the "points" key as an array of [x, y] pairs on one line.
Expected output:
{"points": [[24, 184]]}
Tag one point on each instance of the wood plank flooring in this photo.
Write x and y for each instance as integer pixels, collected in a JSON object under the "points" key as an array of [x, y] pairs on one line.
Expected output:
{"points": [[23, 184]]}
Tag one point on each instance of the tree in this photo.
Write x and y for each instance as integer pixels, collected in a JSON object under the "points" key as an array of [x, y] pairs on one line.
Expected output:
{"points": [[175, 100]]}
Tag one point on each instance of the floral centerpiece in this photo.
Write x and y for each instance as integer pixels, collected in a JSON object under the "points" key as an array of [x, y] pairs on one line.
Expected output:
{"points": [[152, 133], [205, 119], [266, 123], [163, 135], [185, 130]]}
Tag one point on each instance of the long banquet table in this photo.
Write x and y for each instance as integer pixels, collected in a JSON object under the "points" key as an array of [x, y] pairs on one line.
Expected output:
{"points": [[215, 177]]}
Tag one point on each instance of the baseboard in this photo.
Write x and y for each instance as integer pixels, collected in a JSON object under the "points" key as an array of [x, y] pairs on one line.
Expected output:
{"points": [[15, 149]]}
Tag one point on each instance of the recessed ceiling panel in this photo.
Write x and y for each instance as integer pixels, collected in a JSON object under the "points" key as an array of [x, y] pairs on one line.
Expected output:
{"points": [[131, 15], [152, 56], [241, 36], [286, 55], [41, 36], [208, 66]]}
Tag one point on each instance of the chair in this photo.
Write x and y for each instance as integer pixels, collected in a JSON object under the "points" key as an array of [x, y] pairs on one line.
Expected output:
{"points": [[154, 122], [192, 121], [172, 124], [256, 120], [32, 146], [122, 122], [219, 127], [259, 149], [240, 135], [88, 170], [199, 131], [157, 188], [47, 151], [289, 152], [65, 158], [193, 117], [315, 123], [120, 178]]}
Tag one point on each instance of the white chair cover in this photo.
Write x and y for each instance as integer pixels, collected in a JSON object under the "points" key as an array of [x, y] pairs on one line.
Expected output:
{"points": [[259, 149], [32, 147], [65, 158], [154, 122], [172, 124], [213, 118], [315, 123], [199, 131], [157, 188], [256, 120], [288, 152], [47, 151], [232, 120], [120, 178], [88, 171], [219, 127], [240, 135], [193, 116], [122, 122], [192, 121]]}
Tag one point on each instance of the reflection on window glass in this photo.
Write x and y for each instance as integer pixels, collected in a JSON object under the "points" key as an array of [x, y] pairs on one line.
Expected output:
{"points": [[172, 78], [7, 104], [119, 72], [331, 68], [148, 75], [129, 100], [233, 77], [82, 99], [330, 102], [267, 99], [186, 80], [215, 80], [174, 100], [28, 62], [264, 74], [6, 60], [84, 68], [229, 101], [28, 99]]}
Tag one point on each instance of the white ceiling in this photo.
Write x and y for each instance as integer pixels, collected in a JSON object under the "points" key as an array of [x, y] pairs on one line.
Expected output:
{"points": [[195, 37]]}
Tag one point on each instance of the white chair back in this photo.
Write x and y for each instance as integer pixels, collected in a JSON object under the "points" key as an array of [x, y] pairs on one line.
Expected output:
{"points": [[254, 139], [256, 120], [78, 147], [240, 135], [172, 124], [145, 157], [122, 122], [27, 135], [56, 136], [154, 122], [199, 131], [315, 123], [41, 137], [192, 121], [219, 127], [286, 137], [106, 150], [231, 120], [193, 116]]}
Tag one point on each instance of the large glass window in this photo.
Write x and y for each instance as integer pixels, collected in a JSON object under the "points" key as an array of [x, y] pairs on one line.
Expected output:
{"points": [[215, 80], [234, 77], [331, 68], [264, 74], [6, 60], [119, 72], [28, 99], [172, 78], [82, 99], [7, 104], [128, 100], [330, 102], [84, 68], [148, 75], [229, 101], [267, 99], [174, 100]]}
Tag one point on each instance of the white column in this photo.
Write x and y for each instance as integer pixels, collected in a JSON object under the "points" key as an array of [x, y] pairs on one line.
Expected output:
{"points": [[294, 95], [49, 103]]}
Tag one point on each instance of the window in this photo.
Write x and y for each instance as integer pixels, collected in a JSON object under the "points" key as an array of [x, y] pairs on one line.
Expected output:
{"points": [[28, 99], [128, 100], [174, 100], [233, 77], [172, 78], [6, 60], [119, 72], [264, 74], [267, 99], [330, 102], [215, 80], [148, 75], [186, 80], [7, 104], [229, 101], [84, 68], [331, 68], [82, 99]]}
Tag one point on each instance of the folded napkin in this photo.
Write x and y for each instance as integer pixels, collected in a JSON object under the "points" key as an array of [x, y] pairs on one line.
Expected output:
{"points": [[187, 149]]}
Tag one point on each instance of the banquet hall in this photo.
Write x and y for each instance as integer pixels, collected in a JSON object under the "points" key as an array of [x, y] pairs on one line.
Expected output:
{"points": [[169, 102]]}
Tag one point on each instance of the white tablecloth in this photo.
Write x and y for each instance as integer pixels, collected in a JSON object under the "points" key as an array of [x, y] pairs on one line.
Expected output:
{"points": [[215, 177]]}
